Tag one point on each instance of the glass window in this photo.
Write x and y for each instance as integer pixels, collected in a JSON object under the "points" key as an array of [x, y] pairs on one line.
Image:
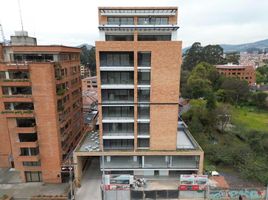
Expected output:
{"points": [[143, 112], [117, 58], [143, 128], [38, 163], [120, 20], [25, 122], [144, 59], [32, 176], [154, 37], [28, 137], [144, 78], [144, 95], [143, 142], [119, 37], [29, 151]]}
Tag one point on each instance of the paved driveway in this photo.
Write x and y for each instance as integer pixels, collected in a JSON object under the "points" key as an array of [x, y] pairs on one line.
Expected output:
{"points": [[91, 181]]}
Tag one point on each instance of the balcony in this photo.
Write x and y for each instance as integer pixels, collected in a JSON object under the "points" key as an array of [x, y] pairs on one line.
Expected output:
{"points": [[144, 60], [26, 130], [144, 79], [118, 144], [19, 91], [143, 130], [144, 95], [117, 96], [123, 162], [22, 158], [118, 114], [117, 80], [27, 144], [116, 61], [143, 113]]}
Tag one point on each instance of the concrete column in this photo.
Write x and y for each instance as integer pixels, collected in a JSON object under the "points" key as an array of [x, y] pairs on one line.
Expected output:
{"points": [[174, 35], [142, 163], [170, 161], [135, 100], [11, 106], [9, 91], [7, 75], [77, 170], [101, 36], [201, 164]]}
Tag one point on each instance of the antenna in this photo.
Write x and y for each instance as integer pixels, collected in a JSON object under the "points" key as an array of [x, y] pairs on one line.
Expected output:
{"points": [[21, 21]]}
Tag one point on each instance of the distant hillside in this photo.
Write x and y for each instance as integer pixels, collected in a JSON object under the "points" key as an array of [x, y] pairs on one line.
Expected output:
{"points": [[87, 45], [259, 45]]}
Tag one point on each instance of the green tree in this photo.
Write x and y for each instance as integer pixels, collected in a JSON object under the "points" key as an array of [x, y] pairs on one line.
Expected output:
{"points": [[211, 101], [193, 56], [201, 80], [259, 99], [88, 59], [232, 58], [236, 90], [262, 75], [213, 54]]}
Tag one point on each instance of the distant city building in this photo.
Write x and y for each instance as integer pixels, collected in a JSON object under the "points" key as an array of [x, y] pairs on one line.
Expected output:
{"points": [[85, 72], [243, 72], [41, 118], [254, 59], [89, 83], [139, 131]]}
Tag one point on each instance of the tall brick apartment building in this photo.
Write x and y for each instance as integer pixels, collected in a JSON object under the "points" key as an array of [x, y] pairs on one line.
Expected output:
{"points": [[138, 62], [40, 107], [243, 72]]}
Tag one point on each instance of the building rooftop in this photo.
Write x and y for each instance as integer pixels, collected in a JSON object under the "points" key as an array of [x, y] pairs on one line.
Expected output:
{"points": [[134, 11], [232, 66], [90, 142]]}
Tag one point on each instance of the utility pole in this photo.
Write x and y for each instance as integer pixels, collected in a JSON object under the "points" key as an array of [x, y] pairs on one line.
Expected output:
{"points": [[71, 179], [103, 175]]}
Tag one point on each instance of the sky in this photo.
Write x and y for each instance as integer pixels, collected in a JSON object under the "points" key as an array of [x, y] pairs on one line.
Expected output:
{"points": [[74, 22]]}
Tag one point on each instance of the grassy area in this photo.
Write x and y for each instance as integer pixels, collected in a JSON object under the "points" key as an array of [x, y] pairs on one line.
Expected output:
{"points": [[250, 118]]}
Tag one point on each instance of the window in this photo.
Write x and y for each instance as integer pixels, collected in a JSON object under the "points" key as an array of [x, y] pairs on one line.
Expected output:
{"points": [[29, 151], [19, 75], [120, 20], [118, 128], [144, 95], [117, 77], [143, 112], [119, 37], [17, 90], [118, 144], [116, 59], [153, 20], [33, 57], [154, 37], [143, 142], [118, 95], [144, 59], [19, 106], [31, 176], [144, 77], [25, 122], [123, 111], [31, 164], [143, 128], [28, 137]]}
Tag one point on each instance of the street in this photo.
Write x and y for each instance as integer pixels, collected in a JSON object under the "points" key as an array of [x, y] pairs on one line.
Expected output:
{"points": [[90, 184]]}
